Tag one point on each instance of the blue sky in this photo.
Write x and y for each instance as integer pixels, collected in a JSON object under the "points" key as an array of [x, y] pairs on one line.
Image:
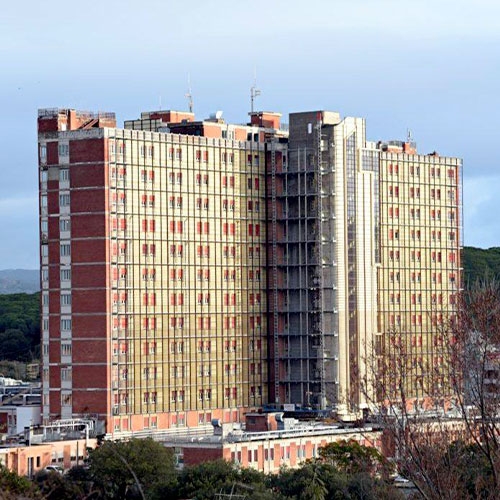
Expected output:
{"points": [[431, 66]]}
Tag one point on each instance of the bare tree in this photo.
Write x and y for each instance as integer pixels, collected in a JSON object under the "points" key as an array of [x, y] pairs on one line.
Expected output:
{"points": [[441, 411], [474, 354]]}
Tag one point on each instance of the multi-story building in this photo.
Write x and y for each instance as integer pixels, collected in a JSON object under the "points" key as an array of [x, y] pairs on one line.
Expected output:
{"points": [[325, 261], [153, 268], [193, 270], [420, 272]]}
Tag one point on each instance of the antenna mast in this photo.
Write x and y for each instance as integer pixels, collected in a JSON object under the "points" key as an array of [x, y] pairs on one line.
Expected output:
{"points": [[409, 135], [189, 95], [254, 91]]}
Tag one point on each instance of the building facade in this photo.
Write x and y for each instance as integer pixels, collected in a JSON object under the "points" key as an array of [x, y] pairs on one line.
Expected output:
{"points": [[153, 268], [325, 261], [193, 270], [421, 269]]}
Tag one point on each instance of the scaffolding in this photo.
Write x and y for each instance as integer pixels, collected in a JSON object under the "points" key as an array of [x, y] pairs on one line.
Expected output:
{"points": [[304, 224], [275, 272]]}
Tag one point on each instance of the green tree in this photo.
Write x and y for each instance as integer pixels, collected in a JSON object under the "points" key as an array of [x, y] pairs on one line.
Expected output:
{"points": [[20, 316], [14, 346], [13, 486], [131, 469], [312, 481], [481, 264], [204, 481], [352, 458], [316, 489], [54, 486]]}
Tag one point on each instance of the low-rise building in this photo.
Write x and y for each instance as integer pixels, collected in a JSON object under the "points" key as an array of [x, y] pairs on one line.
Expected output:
{"points": [[268, 442], [27, 460]]}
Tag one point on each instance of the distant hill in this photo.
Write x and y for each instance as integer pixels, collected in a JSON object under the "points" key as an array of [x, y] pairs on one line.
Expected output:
{"points": [[19, 281], [480, 264]]}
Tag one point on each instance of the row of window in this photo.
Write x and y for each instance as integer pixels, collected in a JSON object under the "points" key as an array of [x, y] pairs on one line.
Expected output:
{"points": [[177, 274], [416, 298], [415, 234], [148, 151], [62, 149], [416, 277], [175, 299], [435, 214], [203, 322], [65, 349], [177, 227], [414, 192], [204, 370], [268, 453], [416, 319], [393, 169]]}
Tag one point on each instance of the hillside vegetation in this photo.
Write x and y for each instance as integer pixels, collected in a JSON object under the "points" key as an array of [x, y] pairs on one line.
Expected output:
{"points": [[20, 327], [481, 264]]}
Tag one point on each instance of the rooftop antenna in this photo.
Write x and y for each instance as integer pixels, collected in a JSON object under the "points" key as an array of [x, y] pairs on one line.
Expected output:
{"points": [[189, 95], [409, 135], [254, 91], [160, 103]]}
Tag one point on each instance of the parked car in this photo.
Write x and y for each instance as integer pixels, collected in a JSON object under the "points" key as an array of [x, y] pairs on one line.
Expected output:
{"points": [[54, 468]]}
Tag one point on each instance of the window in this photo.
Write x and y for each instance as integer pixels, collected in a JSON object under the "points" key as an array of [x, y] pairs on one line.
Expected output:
{"points": [[64, 174], [43, 153], [65, 349], [66, 324], [64, 224], [63, 149], [65, 274], [65, 250], [66, 399], [65, 299], [66, 373], [64, 200]]}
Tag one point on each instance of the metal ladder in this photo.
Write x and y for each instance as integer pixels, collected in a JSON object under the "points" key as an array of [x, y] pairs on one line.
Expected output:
{"points": [[274, 213], [319, 236]]}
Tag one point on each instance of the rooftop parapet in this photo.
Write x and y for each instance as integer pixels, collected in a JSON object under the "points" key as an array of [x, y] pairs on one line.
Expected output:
{"points": [[61, 119]]}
